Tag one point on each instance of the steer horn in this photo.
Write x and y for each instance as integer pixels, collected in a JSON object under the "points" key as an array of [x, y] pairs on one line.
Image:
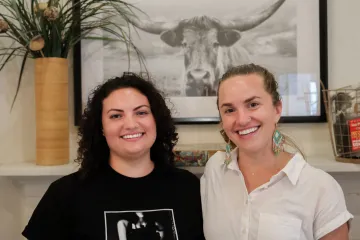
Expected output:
{"points": [[151, 26], [249, 22]]}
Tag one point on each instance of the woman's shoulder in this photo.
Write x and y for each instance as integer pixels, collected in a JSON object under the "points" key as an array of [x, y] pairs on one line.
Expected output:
{"points": [[66, 183], [318, 178], [215, 161], [182, 175]]}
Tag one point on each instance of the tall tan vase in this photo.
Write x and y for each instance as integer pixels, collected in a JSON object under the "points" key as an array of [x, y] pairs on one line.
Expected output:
{"points": [[52, 114]]}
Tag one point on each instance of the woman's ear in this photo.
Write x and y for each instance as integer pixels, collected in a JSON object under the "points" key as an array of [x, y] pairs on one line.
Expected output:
{"points": [[278, 110], [220, 125]]}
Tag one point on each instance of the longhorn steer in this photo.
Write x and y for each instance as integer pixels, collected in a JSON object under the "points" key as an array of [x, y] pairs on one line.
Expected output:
{"points": [[207, 45]]}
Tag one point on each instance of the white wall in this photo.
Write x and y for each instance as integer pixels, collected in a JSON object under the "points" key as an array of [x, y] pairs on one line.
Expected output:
{"points": [[10, 210], [17, 129]]}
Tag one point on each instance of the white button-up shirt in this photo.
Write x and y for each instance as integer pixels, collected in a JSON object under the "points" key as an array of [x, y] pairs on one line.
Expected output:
{"points": [[299, 203]]}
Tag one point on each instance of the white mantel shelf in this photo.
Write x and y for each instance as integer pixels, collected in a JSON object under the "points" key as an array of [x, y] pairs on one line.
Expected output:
{"points": [[31, 169], [28, 169]]}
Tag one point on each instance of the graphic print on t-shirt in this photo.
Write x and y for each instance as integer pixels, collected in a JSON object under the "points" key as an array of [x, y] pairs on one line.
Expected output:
{"points": [[157, 224]]}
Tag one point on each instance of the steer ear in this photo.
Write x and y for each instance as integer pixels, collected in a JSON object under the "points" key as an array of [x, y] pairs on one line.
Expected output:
{"points": [[170, 38], [228, 37]]}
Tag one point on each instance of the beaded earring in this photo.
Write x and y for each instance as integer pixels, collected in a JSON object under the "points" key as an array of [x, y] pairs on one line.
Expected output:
{"points": [[278, 142], [227, 153], [227, 148]]}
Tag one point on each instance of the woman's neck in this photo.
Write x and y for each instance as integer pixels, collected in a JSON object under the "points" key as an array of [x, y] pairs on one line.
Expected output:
{"points": [[256, 159], [265, 160], [134, 167]]}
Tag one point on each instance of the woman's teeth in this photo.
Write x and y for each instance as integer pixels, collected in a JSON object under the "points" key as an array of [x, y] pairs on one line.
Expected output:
{"points": [[132, 136], [247, 131]]}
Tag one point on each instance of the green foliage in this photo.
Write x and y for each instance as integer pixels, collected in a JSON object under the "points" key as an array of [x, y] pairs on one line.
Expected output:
{"points": [[53, 28]]}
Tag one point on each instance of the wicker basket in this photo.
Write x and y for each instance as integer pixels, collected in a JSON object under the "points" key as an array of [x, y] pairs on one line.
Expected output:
{"points": [[342, 108]]}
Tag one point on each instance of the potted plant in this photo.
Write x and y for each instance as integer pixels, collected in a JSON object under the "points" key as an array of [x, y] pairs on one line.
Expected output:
{"points": [[47, 32]]}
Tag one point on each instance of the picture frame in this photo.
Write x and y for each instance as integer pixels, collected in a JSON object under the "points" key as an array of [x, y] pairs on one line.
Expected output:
{"points": [[299, 42]]}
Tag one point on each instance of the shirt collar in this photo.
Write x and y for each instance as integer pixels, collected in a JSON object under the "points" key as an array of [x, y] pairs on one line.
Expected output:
{"points": [[292, 169]]}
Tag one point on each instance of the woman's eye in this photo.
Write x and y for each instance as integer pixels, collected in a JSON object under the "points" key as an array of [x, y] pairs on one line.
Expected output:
{"points": [[113, 116], [230, 110], [253, 105], [142, 113]]}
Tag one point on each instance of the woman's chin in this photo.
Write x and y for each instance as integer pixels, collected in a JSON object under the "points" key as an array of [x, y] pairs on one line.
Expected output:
{"points": [[251, 149]]}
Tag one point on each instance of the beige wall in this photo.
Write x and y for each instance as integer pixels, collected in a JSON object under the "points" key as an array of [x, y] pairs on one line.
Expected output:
{"points": [[17, 128]]}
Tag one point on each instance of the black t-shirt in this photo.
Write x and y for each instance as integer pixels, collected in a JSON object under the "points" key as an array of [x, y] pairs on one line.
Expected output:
{"points": [[165, 205]]}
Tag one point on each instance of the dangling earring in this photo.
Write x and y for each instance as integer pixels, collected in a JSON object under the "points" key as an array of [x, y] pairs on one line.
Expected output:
{"points": [[227, 147], [228, 153], [278, 141]]}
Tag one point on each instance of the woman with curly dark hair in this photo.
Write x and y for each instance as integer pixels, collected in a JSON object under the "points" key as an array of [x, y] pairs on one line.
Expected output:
{"points": [[126, 159], [94, 152]]}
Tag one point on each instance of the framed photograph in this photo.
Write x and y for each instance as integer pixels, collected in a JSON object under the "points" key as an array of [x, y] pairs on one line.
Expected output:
{"points": [[189, 44]]}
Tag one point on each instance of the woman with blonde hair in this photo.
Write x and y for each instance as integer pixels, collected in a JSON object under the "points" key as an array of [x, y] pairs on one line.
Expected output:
{"points": [[257, 189]]}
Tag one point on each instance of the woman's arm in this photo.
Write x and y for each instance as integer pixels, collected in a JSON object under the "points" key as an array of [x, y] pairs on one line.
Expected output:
{"points": [[331, 216], [341, 233]]}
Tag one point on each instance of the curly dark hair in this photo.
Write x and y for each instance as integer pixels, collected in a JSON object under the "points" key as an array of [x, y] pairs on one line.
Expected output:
{"points": [[93, 152]]}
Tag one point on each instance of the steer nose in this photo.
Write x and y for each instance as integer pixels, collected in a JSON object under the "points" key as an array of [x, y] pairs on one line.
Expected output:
{"points": [[198, 75]]}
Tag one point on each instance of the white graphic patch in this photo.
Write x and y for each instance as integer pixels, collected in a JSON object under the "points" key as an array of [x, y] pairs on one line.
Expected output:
{"points": [[157, 224]]}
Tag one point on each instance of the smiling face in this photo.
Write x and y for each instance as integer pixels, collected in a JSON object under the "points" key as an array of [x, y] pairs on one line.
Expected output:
{"points": [[247, 112], [128, 124]]}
